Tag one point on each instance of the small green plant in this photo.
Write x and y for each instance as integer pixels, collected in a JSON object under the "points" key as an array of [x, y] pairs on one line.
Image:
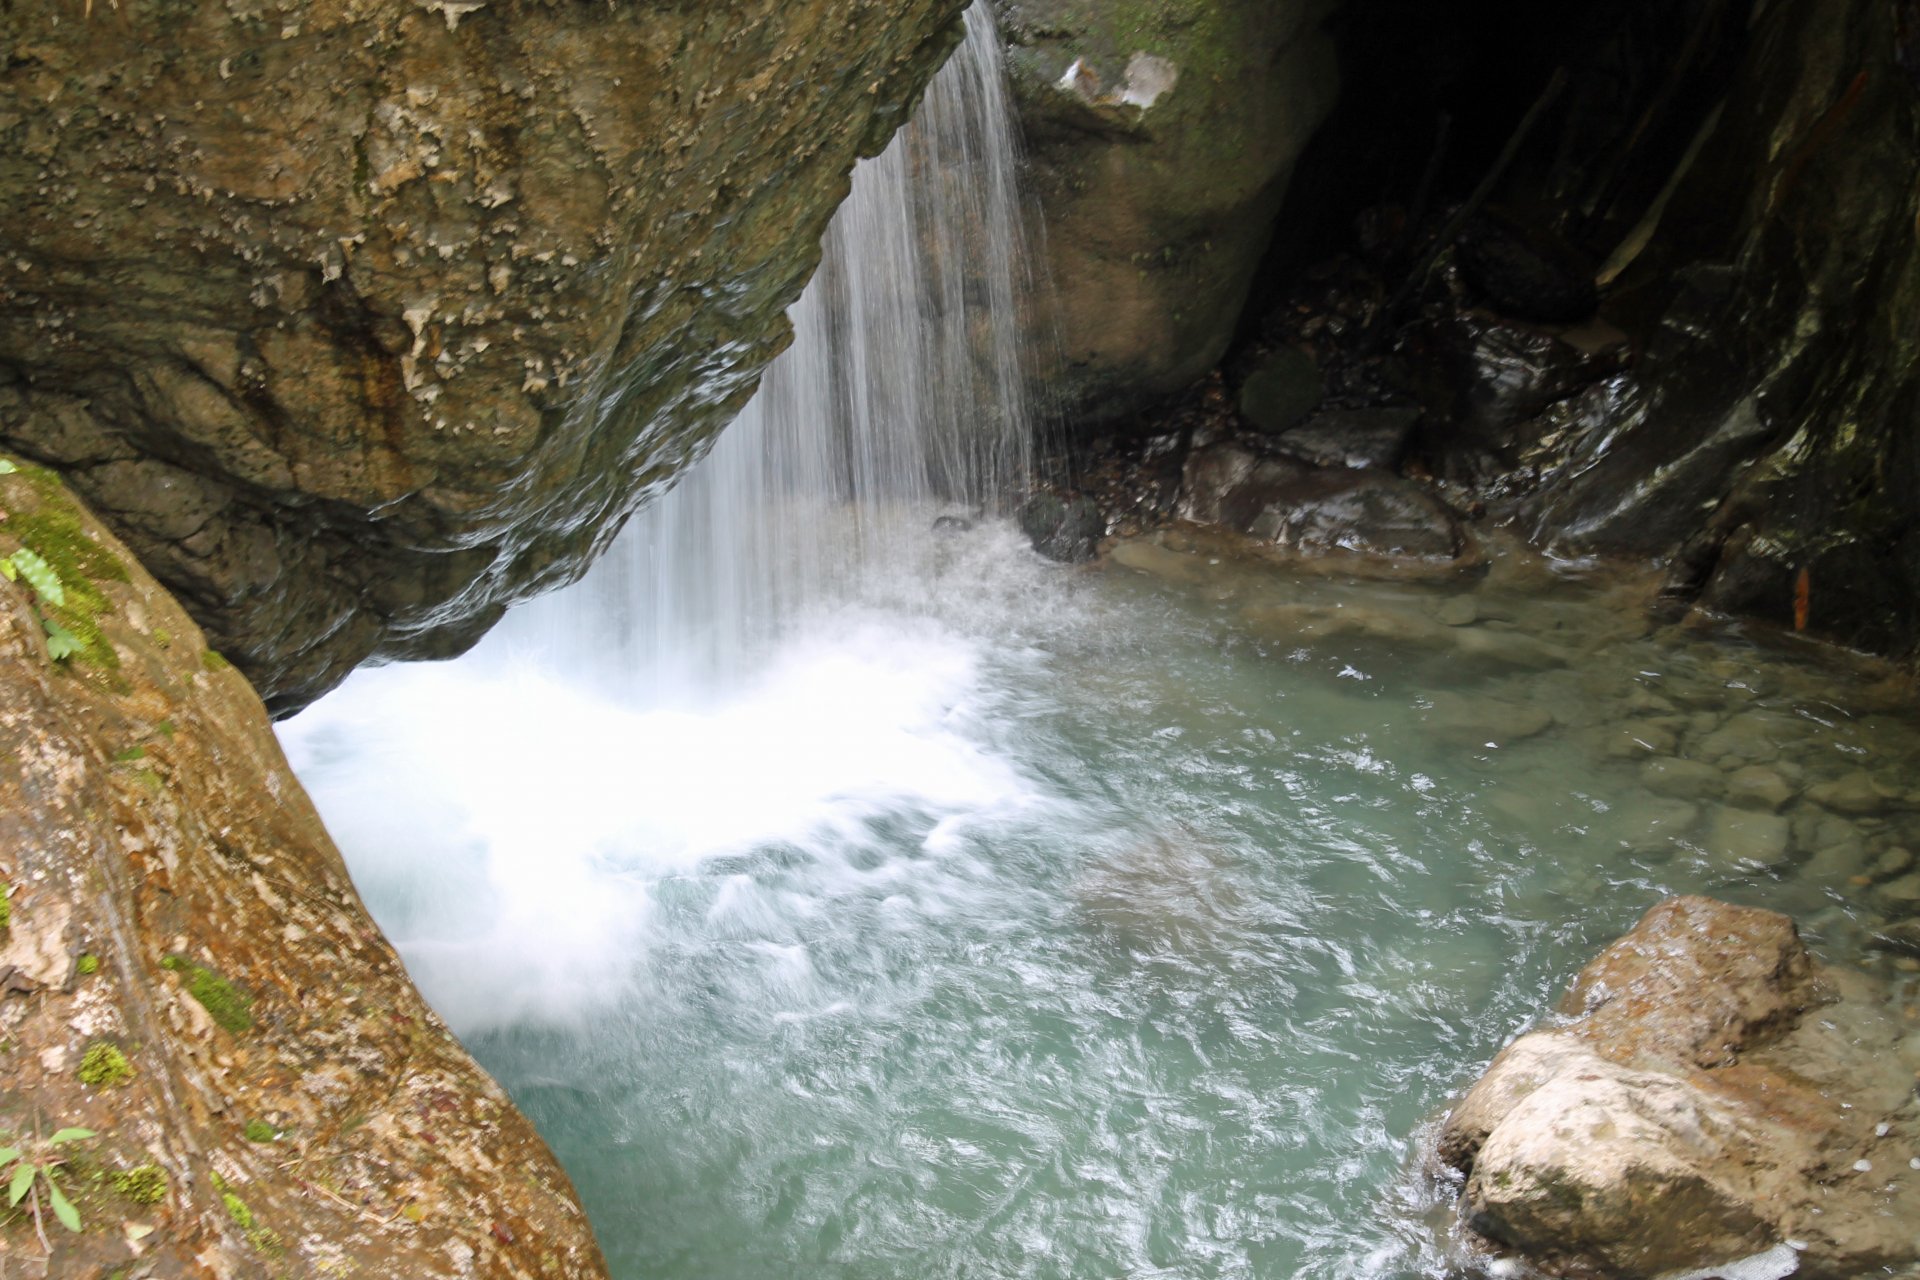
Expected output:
{"points": [[32, 1169], [228, 1005], [6, 905], [89, 963], [258, 1130], [237, 1210], [260, 1236], [103, 1066], [49, 591], [142, 1184]]}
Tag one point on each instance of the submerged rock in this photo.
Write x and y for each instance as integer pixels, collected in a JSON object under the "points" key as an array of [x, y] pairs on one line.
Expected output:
{"points": [[186, 970], [1697, 1112], [358, 322]]}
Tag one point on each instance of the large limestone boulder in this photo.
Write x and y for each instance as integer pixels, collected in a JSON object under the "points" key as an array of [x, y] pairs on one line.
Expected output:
{"points": [[357, 319], [1716, 1098], [186, 971], [1162, 136]]}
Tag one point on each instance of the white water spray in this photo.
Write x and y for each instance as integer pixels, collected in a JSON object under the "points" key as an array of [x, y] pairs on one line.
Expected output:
{"points": [[903, 388], [744, 668]]}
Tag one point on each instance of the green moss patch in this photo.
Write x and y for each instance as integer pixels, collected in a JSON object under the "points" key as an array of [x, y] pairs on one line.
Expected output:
{"points": [[229, 1006], [143, 1184], [103, 1066]]}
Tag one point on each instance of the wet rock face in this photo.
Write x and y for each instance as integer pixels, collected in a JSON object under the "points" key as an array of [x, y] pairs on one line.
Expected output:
{"points": [[1769, 428], [186, 970], [1162, 135], [1716, 1098], [1315, 510], [357, 321]]}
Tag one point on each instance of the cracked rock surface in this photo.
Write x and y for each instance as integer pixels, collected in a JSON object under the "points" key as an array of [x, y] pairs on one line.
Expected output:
{"points": [[358, 319]]}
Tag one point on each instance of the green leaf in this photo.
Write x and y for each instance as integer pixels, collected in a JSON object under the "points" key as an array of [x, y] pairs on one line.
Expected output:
{"points": [[7, 468], [7, 570], [70, 1135], [61, 643], [8, 1155], [63, 1208], [41, 576], [22, 1179]]}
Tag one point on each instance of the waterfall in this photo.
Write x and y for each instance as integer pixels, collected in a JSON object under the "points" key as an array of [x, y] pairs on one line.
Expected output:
{"points": [[901, 395]]}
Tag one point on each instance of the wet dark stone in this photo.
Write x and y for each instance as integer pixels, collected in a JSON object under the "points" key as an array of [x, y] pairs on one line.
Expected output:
{"points": [[1494, 377], [952, 526], [1524, 272], [1284, 389], [1374, 437], [1317, 510], [1062, 529], [1902, 937]]}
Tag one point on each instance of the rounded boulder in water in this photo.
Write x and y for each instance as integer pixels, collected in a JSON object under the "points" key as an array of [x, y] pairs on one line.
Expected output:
{"points": [[1062, 529]]}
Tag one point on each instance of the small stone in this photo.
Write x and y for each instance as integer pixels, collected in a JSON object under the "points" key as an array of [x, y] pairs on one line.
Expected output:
{"points": [[1459, 611], [1282, 391], [1893, 862], [1748, 738], [1645, 702], [1901, 896], [1653, 826], [1637, 740], [1851, 793], [1683, 779], [1760, 787], [1475, 723], [1901, 937], [1750, 839]]}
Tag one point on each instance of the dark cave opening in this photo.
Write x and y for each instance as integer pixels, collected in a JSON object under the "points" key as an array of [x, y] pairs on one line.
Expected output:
{"points": [[1433, 94]]}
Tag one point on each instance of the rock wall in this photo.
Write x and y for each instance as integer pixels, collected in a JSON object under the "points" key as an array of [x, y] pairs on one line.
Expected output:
{"points": [[1768, 429], [186, 971], [359, 318], [1162, 134]]}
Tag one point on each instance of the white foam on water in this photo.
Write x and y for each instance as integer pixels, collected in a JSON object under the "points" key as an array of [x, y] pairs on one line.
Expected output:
{"points": [[511, 826]]}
